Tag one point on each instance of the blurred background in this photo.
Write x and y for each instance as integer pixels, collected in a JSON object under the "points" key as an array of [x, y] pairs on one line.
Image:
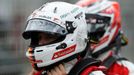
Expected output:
{"points": [[13, 14]]}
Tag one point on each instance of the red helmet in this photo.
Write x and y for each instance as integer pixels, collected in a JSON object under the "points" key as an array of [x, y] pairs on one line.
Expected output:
{"points": [[103, 17]]}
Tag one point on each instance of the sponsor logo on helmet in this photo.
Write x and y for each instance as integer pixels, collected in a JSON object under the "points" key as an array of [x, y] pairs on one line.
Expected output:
{"points": [[64, 52], [56, 20], [66, 14], [44, 16]]}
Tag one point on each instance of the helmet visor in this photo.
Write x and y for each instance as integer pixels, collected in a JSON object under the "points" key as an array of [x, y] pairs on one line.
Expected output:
{"points": [[41, 25], [98, 23]]}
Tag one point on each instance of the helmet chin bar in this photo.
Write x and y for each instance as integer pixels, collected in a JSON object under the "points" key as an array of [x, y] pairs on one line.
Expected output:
{"points": [[59, 62], [83, 54]]}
